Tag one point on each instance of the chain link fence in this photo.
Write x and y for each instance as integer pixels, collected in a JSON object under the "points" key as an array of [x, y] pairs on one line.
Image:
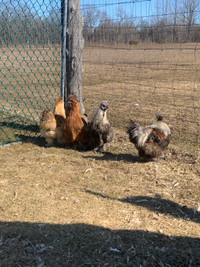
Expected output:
{"points": [[30, 65], [144, 63]]}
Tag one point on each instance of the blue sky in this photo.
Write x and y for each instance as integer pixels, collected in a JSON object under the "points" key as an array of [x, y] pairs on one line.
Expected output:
{"points": [[139, 8]]}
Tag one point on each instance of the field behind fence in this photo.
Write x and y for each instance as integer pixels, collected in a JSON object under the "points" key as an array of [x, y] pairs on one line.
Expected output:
{"points": [[137, 66], [139, 82], [146, 80]]}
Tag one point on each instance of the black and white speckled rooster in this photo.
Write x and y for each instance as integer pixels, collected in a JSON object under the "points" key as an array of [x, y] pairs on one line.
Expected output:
{"points": [[152, 140]]}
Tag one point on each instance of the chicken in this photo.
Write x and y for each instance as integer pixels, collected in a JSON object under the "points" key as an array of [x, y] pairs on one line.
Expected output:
{"points": [[152, 140], [75, 128], [101, 132], [48, 126], [60, 115], [59, 108], [51, 123]]}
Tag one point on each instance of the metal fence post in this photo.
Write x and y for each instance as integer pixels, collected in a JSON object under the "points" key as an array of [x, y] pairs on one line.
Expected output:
{"points": [[64, 28]]}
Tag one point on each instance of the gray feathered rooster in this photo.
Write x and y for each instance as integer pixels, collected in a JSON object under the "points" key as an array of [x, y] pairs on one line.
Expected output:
{"points": [[101, 133], [150, 141]]}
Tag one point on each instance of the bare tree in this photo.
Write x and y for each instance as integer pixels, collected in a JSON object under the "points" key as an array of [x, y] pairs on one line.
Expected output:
{"points": [[125, 31], [190, 14], [92, 17]]}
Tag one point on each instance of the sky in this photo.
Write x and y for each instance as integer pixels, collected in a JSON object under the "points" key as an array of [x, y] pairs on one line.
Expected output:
{"points": [[130, 7], [112, 7], [145, 9], [138, 9]]}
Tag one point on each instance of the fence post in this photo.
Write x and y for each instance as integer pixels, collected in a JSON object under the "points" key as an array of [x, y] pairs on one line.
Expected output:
{"points": [[74, 50], [64, 29]]}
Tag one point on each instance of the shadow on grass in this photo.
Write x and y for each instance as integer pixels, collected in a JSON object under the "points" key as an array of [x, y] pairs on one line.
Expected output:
{"points": [[40, 141], [38, 244], [116, 157], [19, 126], [159, 205], [14, 132]]}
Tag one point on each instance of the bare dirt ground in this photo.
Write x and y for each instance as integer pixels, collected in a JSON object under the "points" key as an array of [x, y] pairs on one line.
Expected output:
{"points": [[67, 207]]}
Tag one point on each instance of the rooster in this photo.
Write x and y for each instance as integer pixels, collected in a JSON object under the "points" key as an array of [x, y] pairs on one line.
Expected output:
{"points": [[101, 133], [75, 127], [51, 123], [150, 141]]}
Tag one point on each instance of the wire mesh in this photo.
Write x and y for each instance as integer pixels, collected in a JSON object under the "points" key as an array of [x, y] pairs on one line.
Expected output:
{"points": [[30, 64]]}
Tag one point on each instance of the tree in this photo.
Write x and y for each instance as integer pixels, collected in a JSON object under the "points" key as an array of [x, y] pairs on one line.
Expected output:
{"points": [[92, 18], [190, 8]]}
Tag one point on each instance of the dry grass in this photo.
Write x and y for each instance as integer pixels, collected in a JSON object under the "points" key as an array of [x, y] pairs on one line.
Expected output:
{"points": [[139, 81], [146, 80], [64, 207]]}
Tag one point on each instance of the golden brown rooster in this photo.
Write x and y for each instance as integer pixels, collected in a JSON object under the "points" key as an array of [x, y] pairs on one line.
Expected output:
{"points": [[150, 141], [101, 132], [75, 129], [49, 123]]}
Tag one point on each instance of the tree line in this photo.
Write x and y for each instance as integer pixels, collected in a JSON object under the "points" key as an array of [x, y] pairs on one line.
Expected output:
{"points": [[23, 25], [175, 21]]}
